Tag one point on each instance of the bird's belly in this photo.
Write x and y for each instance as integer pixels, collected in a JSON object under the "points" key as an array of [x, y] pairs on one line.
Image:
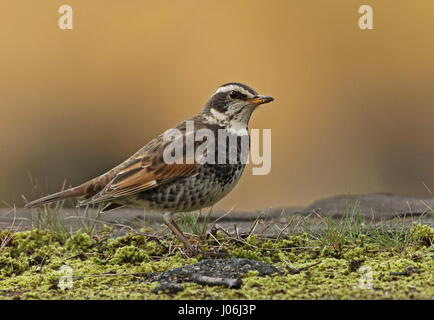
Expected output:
{"points": [[208, 186]]}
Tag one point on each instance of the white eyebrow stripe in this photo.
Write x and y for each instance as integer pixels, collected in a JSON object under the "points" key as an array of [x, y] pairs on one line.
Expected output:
{"points": [[236, 88]]}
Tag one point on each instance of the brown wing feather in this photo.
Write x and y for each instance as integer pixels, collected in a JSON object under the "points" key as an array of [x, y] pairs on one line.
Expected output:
{"points": [[144, 170], [140, 175], [143, 178]]}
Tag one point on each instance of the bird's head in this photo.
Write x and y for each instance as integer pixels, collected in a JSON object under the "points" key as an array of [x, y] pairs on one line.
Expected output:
{"points": [[232, 105]]}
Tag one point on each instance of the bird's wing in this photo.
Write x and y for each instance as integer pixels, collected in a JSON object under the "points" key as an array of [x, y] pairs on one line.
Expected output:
{"points": [[141, 176], [145, 170]]}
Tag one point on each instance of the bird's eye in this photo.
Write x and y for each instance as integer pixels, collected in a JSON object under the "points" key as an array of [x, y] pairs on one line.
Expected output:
{"points": [[233, 94]]}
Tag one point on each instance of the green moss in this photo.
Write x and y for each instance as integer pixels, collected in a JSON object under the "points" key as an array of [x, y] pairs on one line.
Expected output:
{"points": [[421, 234], [79, 241], [115, 268], [12, 266], [129, 254]]}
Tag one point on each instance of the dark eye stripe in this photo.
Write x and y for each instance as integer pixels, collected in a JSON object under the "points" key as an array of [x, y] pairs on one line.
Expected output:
{"points": [[237, 95]]}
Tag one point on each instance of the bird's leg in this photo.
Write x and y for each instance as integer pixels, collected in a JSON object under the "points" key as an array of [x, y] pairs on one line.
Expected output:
{"points": [[168, 219]]}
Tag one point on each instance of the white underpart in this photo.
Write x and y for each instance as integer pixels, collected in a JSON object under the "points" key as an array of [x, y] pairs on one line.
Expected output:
{"points": [[236, 88], [237, 125], [238, 129]]}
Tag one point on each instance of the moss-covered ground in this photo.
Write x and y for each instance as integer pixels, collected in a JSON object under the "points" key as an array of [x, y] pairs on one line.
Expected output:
{"points": [[355, 264]]}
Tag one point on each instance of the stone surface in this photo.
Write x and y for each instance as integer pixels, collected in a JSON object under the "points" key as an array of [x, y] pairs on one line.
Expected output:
{"points": [[379, 206]]}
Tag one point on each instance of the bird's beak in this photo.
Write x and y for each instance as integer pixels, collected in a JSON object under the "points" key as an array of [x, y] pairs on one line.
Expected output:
{"points": [[260, 99]]}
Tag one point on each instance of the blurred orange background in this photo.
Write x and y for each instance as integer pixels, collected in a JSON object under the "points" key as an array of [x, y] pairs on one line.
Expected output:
{"points": [[354, 110]]}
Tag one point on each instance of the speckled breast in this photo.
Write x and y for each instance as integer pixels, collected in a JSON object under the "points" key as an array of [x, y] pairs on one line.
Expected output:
{"points": [[210, 184]]}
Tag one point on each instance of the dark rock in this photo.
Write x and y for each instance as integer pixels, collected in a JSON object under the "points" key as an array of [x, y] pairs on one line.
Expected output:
{"points": [[224, 272]]}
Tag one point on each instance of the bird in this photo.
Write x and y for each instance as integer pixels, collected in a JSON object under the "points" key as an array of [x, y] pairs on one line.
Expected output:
{"points": [[147, 180]]}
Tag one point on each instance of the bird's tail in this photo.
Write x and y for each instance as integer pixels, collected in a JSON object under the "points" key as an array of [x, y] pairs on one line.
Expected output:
{"points": [[58, 196]]}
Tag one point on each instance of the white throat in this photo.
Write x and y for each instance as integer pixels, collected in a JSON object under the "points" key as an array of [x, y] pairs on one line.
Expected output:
{"points": [[236, 124]]}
